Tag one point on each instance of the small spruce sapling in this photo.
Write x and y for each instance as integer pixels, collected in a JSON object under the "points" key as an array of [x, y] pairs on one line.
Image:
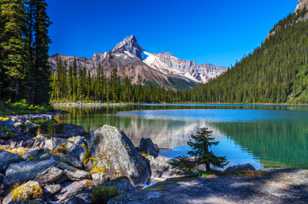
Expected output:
{"points": [[201, 154]]}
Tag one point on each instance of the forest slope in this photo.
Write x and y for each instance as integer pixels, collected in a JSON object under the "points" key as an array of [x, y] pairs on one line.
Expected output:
{"points": [[276, 72]]}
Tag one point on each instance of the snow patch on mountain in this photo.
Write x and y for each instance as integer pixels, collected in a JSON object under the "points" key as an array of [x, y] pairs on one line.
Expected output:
{"points": [[170, 64]]}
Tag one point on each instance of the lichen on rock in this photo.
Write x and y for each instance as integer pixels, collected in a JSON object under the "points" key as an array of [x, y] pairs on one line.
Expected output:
{"points": [[25, 192]]}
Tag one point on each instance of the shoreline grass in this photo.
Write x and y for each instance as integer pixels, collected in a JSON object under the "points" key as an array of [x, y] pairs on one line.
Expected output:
{"points": [[22, 107]]}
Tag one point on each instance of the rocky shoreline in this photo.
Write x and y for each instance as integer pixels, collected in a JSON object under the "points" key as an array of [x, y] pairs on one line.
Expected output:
{"points": [[42, 161], [46, 162]]}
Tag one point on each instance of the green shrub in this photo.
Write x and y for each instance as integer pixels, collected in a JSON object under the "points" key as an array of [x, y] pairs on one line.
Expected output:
{"points": [[101, 194], [39, 121], [7, 131], [22, 107]]}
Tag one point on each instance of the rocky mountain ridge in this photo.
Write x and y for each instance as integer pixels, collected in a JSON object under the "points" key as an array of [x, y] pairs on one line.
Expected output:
{"points": [[302, 4], [143, 67]]}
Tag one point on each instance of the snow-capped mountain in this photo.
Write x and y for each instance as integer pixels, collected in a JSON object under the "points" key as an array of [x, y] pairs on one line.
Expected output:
{"points": [[143, 67], [169, 64]]}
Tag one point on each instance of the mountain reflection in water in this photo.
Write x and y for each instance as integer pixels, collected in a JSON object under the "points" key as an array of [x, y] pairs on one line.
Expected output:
{"points": [[262, 136]]}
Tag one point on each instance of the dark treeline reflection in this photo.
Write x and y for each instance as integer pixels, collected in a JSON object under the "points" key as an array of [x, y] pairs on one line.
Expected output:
{"points": [[284, 142]]}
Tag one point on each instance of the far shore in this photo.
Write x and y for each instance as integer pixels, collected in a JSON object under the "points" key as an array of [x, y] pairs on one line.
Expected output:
{"points": [[122, 104], [89, 104]]}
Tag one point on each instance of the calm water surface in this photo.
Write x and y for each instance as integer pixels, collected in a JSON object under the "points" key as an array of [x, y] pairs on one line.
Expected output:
{"points": [[263, 135]]}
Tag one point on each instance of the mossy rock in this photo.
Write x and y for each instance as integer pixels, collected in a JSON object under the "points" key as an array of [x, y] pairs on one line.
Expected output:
{"points": [[24, 193], [20, 151]]}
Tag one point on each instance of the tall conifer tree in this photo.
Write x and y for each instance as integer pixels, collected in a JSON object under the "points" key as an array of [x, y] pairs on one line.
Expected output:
{"points": [[41, 45], [30, 81], [12, 43], [2, 74]]}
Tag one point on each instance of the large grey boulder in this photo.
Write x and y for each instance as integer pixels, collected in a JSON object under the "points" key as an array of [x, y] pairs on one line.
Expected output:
{"points": [[26, 170], [115, 151], [148, 147], [6, 159]]}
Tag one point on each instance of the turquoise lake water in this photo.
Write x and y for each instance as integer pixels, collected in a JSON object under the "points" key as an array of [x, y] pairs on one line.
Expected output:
{"points": [[263, 135]]}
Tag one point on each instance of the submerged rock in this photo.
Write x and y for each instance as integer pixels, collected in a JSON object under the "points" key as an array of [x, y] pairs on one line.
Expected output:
{"points": [[147, 146], [120, 155]]}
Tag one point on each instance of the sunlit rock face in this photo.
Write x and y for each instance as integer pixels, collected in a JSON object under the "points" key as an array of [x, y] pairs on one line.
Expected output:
{"points": [[302, 4], [129, 46]]}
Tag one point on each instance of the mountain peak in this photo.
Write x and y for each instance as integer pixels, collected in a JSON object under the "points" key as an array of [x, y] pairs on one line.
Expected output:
{"points": [[130, 45], [301, 5]]}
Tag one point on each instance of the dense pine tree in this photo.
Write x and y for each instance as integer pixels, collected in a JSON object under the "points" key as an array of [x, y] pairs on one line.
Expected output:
{"points": [[200, 154], [41, 45], [276, 72], [2, 74], [24, 45], [29, 49], [12, 43], [73, 82]]}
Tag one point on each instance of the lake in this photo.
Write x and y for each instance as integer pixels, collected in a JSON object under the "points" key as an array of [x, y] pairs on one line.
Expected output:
{"points": [[264, 135]]}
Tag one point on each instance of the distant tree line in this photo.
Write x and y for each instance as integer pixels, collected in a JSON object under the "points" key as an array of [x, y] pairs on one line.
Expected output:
{"points": [[73, 82], [24, 45]]}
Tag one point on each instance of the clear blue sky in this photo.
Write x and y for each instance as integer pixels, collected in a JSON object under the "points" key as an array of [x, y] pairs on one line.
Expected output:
{"points": [[206, 31]]}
